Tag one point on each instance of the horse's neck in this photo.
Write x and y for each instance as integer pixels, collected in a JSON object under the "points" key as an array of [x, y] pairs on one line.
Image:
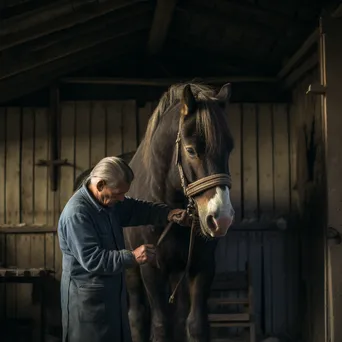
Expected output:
{"points": [[155, 180]]}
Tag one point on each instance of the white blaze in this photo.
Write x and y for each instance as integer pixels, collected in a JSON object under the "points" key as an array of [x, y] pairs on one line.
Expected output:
{"points": [[220, 205]]}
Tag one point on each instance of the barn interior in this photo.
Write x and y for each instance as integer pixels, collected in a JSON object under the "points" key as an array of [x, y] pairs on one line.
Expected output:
{"points": [[79, 80]]}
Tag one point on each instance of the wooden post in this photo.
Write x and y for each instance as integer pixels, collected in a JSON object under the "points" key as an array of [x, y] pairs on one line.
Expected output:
{"points": [[54, 162], [331, 79]]}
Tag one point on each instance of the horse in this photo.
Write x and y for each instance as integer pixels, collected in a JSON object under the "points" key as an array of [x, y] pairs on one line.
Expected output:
{"points": [[183, 161]]}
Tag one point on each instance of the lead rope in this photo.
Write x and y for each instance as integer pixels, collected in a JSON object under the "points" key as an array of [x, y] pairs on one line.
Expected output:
{"points": [[191, 245]]}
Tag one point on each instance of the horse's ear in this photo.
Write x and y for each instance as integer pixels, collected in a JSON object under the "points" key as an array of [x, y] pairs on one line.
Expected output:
{"points": [[189, 104], [224, 94]]}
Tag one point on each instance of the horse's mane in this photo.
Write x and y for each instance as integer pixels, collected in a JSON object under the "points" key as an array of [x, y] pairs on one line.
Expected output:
{"points": [[206, 123]]}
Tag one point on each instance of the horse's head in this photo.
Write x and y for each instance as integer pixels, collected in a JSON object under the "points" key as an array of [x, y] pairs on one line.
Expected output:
{"points": [[205, 144]]}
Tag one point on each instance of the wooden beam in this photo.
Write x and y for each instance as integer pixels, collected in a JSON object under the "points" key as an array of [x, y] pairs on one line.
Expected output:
{"points": [[24, 7], [242, 92], [34, 79], [26, 229], [301, 71], [25, 62], [161, 82], [306, 46], [87, 27], [160, 26], [18, 19], [82, 15]]}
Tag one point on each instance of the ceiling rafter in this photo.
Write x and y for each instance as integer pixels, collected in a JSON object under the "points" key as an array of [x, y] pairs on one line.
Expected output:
{"points": [[13, 66], [40, 77], [23, 8], [81, 15], [160, 26]]}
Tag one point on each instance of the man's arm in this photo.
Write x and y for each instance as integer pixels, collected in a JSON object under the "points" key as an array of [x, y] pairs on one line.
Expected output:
{"points": [[133, 212], [83, 241]]}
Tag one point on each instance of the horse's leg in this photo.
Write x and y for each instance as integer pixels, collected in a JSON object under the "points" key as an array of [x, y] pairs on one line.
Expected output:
{"points": [[156, 286], [180, 307], [138, 312], [198, 329]]}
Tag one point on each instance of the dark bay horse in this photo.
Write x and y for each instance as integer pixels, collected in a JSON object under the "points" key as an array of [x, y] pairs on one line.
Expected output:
{"points": [[187, 140]]}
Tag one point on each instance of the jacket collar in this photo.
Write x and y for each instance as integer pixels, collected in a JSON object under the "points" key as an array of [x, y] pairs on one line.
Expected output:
{"points": [[90, 198]]}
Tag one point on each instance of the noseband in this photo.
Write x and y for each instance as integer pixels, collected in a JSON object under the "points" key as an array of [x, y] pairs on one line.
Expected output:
{"points": [[190, 190]]}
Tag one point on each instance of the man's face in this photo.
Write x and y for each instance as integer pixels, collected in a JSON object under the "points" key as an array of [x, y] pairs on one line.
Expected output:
{"points": [[109, 196]]}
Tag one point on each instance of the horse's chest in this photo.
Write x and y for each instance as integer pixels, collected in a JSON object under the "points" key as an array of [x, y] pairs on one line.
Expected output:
{"points": [[173, 251]]}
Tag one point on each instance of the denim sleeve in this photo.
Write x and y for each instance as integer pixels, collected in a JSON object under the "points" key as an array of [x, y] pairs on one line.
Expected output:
{"points": [[83, 241], [134, 212]]}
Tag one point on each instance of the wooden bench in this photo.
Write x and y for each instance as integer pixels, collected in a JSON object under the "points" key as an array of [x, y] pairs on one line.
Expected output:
{"points": [[220, 300]]}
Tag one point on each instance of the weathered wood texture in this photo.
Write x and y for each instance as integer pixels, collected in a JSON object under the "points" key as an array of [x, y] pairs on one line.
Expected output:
{"points": [[260, 167], [26, 196], [308, 196]]}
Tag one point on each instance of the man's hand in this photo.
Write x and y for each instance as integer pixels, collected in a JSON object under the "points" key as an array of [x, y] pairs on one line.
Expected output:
{"points": [[180, 216], [144, 254]]}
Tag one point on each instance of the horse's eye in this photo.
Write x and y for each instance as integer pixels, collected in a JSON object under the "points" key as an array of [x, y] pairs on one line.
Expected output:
{"points": [[191, 151]]}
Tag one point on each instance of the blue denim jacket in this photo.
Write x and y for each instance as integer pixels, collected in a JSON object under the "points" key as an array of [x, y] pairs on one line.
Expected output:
{"points": [[93, 290]]}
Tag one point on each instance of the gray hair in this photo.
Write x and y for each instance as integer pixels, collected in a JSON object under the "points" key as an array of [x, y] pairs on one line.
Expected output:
{"points": [[113, 170]]}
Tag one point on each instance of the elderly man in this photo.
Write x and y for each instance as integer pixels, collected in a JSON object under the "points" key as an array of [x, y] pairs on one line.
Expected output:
{"points": [[93, 291]]}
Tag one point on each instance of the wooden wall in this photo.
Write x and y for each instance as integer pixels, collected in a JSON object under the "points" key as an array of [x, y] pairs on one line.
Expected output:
{"points": [[261, 167], [308, 180]]}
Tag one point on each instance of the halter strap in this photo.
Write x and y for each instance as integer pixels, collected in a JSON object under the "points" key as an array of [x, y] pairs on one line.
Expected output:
{"points": [[190, 190]]}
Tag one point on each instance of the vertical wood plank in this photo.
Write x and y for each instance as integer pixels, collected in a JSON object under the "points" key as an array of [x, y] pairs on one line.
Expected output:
{"points": [[265, 146], [67, 151], [2, 203], [98, 132], [11, 261], [255, 263], [129, 126], [13, 166], [67, 131], [41, 194], [281, 160], [23, 241], [293, 143], [114, 129], [27, 166], [51, 207], [41, 172], [37, 260], [12, 196], [2, 164], [49, 238], [234, 119], [82, 142], [250, 195], [268, 286], [279, 284], [144, 116]]}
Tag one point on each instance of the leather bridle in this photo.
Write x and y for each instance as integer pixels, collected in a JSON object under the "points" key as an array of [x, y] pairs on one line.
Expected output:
{"points": [[190, 190]]}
